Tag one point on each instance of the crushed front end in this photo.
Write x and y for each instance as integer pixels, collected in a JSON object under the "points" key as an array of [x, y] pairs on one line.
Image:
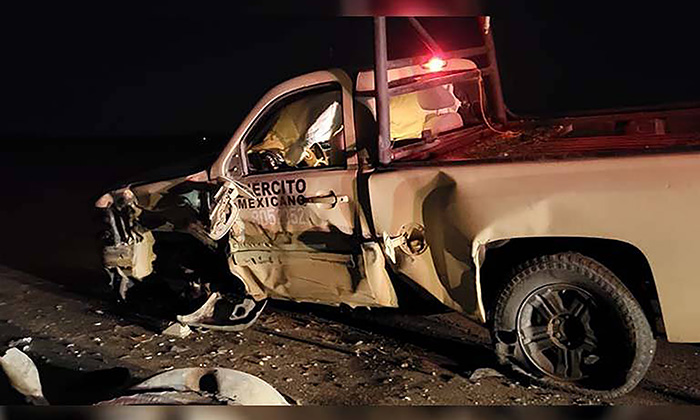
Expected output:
{"points": [[127, 246], [175, 233]]}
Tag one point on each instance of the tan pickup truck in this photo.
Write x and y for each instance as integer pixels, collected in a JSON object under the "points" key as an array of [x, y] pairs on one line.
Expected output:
{"points": [[575, 240]]}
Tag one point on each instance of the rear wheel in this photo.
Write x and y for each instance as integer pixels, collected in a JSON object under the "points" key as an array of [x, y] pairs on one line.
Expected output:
{"points": [[570, 322]]}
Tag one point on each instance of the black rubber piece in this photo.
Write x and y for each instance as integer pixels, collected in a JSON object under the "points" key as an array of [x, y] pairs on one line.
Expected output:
{"points": [[608, 291]]}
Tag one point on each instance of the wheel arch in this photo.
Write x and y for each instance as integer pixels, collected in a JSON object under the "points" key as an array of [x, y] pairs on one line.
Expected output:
{"points": [[625, 260]]}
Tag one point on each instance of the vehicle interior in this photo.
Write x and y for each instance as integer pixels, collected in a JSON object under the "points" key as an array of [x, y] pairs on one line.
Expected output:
{"points": [[426, 112], [303, 131]]}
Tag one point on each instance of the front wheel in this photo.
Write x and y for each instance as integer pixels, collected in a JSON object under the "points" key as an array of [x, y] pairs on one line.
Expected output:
{"points": [[570, 322]]}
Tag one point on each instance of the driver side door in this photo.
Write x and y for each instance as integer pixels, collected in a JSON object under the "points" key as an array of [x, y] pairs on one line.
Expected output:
{"points": [[302, 234]]}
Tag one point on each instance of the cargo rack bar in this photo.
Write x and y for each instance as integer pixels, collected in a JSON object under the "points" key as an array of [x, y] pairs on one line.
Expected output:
{"points": [[382, 65]]}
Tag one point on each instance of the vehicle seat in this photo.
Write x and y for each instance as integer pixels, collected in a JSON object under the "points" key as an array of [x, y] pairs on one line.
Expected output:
{"points": [[440, 99], [436, 98], [441, 123]]}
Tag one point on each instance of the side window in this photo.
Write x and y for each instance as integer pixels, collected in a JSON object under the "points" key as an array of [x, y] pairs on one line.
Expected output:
{"points": [[302, 131]]}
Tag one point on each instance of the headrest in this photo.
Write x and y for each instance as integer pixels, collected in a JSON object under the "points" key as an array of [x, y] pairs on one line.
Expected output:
{"points": [[435, 98]]}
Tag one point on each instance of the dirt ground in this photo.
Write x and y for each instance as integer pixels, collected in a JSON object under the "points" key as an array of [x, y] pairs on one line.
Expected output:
{"points": [[87, 349]]}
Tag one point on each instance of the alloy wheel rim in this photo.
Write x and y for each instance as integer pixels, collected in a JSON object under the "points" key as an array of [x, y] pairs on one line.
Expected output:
{"points": [[555, 331]]}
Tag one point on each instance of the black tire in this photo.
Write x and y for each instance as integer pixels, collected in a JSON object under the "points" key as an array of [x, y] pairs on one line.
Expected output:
{"points": [[569, 322]]}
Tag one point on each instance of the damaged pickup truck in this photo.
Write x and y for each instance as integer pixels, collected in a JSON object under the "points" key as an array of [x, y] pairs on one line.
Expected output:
{"points": [[575, 240]]}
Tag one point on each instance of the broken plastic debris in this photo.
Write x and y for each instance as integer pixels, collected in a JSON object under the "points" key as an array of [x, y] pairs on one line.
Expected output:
{"points": [[178, 330], [142, 339], [23, 375], [202, 386], [484, 373], [20, 342], [221, 314]]}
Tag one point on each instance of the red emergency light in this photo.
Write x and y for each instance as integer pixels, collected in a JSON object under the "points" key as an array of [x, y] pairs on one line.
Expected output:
{"points": [[435, 64]]}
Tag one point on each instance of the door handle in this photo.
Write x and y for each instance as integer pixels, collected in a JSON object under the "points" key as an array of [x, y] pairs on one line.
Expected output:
{"points": [[329, 199]]}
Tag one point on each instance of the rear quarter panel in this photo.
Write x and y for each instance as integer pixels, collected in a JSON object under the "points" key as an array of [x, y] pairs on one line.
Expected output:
{"points": [[651, 202]]}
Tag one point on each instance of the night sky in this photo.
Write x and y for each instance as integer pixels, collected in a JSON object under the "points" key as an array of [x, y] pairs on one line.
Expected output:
{"points": [[158, 71]]}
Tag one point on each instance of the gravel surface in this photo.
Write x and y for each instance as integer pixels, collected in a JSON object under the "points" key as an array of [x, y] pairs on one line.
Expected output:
{"points": [[87, 350]]}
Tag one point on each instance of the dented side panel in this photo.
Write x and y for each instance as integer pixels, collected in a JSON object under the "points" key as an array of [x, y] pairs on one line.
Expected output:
{"points": [[650, 202], [305, 236], [298, 250]]}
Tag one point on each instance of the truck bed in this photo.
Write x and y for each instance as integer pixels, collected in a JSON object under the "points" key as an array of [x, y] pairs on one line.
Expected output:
{"points": [[568, 138]]}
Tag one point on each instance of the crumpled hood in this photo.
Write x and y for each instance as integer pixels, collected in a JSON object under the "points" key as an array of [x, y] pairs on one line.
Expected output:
{"points": [[171, 171], [163, 177]]}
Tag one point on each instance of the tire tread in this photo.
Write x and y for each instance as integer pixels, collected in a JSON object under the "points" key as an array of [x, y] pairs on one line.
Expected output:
{"points": [[615, 289]]}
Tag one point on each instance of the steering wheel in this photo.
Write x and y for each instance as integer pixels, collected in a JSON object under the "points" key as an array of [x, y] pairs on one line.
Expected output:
{"points": [[271, 160]]}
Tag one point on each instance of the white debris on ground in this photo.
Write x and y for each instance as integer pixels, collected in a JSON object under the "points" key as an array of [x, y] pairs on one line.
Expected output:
{"points": [[214, 386], [177, 330], [20, 342], [23, 375], [484, 373], [225, 385]]}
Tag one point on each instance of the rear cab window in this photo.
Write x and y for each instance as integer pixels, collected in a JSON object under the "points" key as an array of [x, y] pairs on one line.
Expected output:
{"points": [[426, 106]]}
